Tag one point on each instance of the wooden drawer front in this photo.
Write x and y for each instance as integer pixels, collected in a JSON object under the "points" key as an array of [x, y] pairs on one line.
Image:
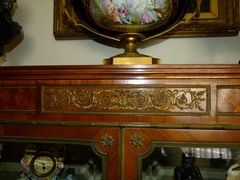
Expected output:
{"points": [[17, 98]]}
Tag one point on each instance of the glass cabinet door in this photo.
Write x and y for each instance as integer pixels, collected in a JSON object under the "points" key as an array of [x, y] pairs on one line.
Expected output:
{"points": [[187, 161], [56, 159]]}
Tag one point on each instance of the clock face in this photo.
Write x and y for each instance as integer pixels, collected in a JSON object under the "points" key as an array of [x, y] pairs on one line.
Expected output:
{"points": [[42, 165]]}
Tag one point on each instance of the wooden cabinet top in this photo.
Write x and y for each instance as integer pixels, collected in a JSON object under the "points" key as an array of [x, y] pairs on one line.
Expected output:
{"points": [[121, 71]]}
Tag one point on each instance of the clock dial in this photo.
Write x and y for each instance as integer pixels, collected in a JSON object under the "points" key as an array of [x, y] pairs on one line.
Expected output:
{"points": [[42, 165]]}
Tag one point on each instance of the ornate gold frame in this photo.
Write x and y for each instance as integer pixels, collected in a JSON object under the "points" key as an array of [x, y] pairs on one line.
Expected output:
{"points": [[221, 20]]}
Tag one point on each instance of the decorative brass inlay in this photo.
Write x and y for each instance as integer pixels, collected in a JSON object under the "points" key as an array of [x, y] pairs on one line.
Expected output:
{"points": [[126, 100], [136, 140], [118, 124], [107, 141]]}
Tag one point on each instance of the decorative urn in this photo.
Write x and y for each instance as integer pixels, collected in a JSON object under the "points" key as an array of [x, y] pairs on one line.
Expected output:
{"points": [[131, 21]]}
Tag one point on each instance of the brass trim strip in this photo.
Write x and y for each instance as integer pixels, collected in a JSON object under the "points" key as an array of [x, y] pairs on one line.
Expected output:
{"points": [[18, 110], [228, 113], [122, 153], [14, 87], [118, 125], [228, 86]]}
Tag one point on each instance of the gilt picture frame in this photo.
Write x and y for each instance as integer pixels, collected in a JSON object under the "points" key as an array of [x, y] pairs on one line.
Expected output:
{"points": [[218, 18]]}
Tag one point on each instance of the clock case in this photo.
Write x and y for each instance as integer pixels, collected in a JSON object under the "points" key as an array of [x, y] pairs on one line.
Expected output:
{"points": [[42, 155]]}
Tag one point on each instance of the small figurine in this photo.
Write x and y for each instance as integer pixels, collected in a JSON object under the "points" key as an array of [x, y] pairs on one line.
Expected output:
{"points": [[233, 172], [188, 170], [22, 175], [70, 174]]}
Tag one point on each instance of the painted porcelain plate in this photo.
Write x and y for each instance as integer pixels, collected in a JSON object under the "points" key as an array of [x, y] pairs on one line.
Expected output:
{"points": [[127, 16], [113, 17]]}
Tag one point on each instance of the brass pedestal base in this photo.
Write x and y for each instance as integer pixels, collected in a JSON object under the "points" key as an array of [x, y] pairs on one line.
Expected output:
{"points": [[131, 60], [131, 56]]}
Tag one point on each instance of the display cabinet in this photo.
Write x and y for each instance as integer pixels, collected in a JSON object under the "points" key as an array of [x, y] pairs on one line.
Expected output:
{"points": [[119, 122]]}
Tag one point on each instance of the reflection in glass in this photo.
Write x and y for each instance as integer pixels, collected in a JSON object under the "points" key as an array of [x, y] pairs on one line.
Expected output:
{"points": [[219, 162]]}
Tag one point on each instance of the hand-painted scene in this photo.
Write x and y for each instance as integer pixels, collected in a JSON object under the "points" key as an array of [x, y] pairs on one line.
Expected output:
{"points": [[125, 15]]}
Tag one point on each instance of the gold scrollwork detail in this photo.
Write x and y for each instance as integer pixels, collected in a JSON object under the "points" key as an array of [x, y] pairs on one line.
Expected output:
{"points": [[136, 140], [126, 99], [107, 141]]}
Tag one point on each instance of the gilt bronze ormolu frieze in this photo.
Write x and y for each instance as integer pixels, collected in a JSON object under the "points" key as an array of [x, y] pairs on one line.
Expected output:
{"points": [[169, 100]]}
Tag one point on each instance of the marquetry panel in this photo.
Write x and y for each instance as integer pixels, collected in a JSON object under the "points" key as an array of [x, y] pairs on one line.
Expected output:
{"points": [[17, 98], [229, 100], [172, 100]]}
